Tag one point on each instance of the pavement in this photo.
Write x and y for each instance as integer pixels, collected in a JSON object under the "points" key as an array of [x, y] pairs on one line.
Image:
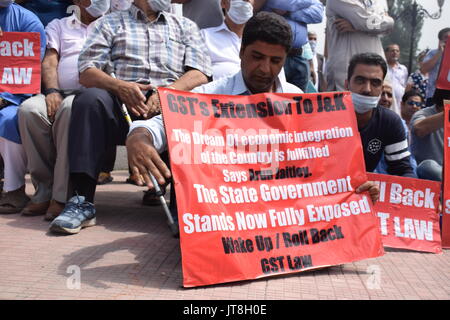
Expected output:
{"points": [[130, 254]]}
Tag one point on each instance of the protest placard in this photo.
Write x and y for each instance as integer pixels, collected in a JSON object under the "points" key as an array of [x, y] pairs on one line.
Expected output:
{"points": [[408, 212], [20, 63], [443, 79], [266, 184], [446, 175]]}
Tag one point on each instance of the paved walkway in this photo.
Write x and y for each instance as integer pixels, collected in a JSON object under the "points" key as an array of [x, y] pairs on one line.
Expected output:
{"points": [[131, 254]]}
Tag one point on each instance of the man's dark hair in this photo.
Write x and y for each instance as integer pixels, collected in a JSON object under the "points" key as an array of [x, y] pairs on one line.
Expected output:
{"points": [[411, 93], [390, 45], [442, 33], [368, 58], [267, 27]]}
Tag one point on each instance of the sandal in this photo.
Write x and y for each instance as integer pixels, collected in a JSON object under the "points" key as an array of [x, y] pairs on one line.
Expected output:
{"points": [[14, 201], [104, 178]]}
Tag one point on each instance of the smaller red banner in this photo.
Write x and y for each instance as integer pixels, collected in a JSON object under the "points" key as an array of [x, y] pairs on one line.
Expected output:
{"points": [[443, 80], [20, 62], [408, 212], [446, 202]]}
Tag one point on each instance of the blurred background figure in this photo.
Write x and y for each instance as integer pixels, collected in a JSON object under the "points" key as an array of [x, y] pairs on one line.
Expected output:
{"points": [[398, 74], [353, 26], [318, 62], [299, 14], [224, 42], [417, 80]]}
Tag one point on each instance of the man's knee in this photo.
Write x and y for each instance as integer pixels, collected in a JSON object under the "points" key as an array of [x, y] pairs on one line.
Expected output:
{"points": [[65, 109], [32, 108], [430, 170]]}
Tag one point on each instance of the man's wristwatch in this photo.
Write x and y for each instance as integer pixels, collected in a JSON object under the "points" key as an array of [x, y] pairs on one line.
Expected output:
{"points": [[51, 90]]}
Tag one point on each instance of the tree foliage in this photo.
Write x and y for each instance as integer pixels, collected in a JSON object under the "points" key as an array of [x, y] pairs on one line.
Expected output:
{"points": [[403, 14]]}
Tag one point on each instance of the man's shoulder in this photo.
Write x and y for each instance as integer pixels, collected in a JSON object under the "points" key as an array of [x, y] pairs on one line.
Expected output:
{"points": [[223, 85], [25, 14], [388, 117], [423, 113]]}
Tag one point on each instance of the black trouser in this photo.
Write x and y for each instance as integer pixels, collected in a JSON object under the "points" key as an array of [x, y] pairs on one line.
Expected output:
{"points": [[97, 125]]}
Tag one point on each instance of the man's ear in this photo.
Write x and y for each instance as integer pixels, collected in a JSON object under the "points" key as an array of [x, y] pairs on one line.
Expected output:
{"points": [[241, 52], [346, 85]]}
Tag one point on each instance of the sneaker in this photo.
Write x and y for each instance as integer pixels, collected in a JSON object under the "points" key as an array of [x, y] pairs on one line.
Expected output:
{"points": [[14, 201], [77, 214]]}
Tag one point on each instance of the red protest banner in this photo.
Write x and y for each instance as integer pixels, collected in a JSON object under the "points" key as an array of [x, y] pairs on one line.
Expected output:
{"points": [[443, 80], [20, 63], [446, 194], [408, 212], [266, 184]]}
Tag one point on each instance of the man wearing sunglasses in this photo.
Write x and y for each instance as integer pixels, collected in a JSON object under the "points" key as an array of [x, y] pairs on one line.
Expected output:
{"points": [[412, 102]]}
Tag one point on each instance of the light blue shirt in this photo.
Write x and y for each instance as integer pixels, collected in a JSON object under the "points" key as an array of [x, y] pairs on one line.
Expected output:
{"points": [[300, 13], [232, 85]]}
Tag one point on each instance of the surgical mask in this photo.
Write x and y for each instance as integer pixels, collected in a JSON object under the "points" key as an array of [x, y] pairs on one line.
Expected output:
{"points": [[5, 3], [121, 5], [240, 11], [313, 45], [159, 5], [98, 8], [364, 104]]}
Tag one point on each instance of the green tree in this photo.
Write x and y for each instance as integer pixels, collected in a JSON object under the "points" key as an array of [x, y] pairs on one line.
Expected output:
{"points": [[404, 16]]}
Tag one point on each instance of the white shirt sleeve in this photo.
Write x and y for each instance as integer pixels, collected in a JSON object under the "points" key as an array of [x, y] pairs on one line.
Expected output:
{"points": [[155, 126]]}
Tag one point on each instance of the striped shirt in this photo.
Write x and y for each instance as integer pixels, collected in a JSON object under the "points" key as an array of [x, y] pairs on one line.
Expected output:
{"points": [[385, 135], [139, 50]]}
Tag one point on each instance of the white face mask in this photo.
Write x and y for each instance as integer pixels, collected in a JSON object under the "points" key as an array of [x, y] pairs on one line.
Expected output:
{"points": [[364, 104], [313, 45], [159, 5], [5, 3], [240, 11], [98, 8], [121, 5]]}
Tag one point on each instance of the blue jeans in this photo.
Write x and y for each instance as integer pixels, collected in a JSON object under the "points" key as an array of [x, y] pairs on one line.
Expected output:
{"points": [[430, 170], [296, 69]]}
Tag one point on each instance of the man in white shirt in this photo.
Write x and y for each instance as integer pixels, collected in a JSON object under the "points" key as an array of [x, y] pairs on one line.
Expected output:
{"points": [[224, 42], [44, 119], [266, 40], [398, 75]]}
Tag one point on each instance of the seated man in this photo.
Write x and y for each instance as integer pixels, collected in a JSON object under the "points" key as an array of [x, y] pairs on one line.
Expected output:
{"points": [[412, 101], [427, 135], [14, 18], [144, 47], [381, 129], [44, 119], [266, 41]]}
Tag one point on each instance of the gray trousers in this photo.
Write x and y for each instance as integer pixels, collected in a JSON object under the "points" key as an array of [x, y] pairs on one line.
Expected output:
{"points": [[46, 146]]}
